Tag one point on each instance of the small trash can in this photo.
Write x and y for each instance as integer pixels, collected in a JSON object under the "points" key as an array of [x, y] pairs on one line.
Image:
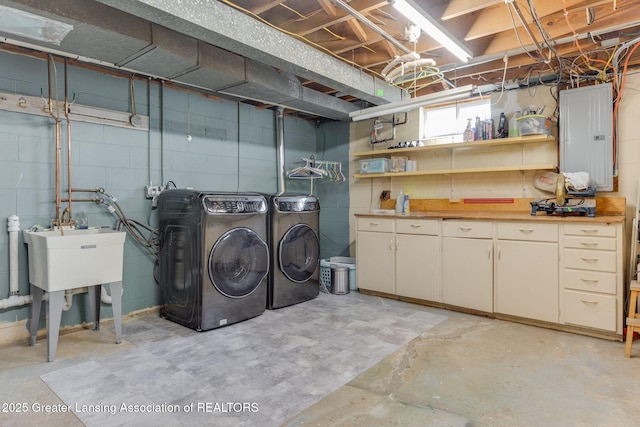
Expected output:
{"points": [[339, 279]]}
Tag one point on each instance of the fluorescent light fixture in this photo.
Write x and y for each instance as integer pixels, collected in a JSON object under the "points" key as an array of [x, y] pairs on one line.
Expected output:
{"points": [[430, 26], [25, 24], [412, 103]]}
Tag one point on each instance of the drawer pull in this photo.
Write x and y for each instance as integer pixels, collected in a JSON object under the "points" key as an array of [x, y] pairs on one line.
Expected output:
{"points": [[465, 228], [526, 230], [589, 259], [589, 280], [416, 225], [588, 302], [589, 244], [374, 223], [589, 230], [391, 244]]}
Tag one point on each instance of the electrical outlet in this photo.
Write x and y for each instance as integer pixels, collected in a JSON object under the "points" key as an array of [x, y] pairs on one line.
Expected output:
{"points": [[151, 191]]}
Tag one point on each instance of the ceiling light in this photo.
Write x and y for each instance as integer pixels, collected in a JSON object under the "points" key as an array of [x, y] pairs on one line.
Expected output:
{"points": [[430, 26], [25, 24], [412, 103]]}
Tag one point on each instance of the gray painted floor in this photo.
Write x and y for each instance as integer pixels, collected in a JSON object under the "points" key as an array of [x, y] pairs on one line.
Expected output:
{"points": [[348, 360]]}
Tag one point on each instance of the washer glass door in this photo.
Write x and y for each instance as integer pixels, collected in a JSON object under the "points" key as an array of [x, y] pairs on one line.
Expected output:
{"points": [[299, 253], [238, 262]]}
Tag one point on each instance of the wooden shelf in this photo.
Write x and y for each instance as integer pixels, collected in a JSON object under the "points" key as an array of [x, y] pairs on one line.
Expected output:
{"points": [[457, 171], [457, 145]]}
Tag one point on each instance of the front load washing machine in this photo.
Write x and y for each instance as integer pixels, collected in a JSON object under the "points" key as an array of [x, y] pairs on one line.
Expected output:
{"points": [[213, 257], [295, 249]]}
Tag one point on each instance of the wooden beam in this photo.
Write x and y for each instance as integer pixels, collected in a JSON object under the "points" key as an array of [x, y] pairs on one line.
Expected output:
{"points": [[357, 29], [318, 22], [457, 8], [328, 7], [263, 8], [496, 19], [556, 26]]}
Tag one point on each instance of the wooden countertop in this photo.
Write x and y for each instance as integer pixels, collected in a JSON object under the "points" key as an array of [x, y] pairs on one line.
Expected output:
{"points": [[608, 211]]}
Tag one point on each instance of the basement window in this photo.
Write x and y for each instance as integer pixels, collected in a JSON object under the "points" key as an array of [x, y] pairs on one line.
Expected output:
{"points": [[447, 123]]}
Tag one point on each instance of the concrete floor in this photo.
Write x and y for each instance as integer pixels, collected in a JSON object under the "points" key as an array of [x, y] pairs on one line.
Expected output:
{"points": [[464, 371]]}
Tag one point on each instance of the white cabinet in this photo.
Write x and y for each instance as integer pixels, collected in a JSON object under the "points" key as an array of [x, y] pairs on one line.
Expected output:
{"points": [[526, 282], [566, 273], [591, 276], [467, 264], [376, 255], [418, 259], [399, 256]]}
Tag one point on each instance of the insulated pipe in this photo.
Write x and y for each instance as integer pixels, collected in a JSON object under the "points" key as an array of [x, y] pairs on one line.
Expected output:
{"points": [[412, 56], [280, 149]]}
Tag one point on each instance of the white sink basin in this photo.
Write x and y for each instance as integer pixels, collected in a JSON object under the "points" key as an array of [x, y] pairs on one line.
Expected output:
{"points": [[76, 259]]}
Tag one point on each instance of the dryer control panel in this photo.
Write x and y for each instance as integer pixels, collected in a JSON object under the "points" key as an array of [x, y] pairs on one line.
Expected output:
{"points": [[234, 204]]}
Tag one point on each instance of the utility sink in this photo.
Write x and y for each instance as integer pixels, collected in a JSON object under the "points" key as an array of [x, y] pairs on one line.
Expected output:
{"points": [[75, 258]]}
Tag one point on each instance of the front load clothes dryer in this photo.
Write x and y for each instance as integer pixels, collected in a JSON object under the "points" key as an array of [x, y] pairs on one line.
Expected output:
{"points": [[295, 249], [213, 257]]}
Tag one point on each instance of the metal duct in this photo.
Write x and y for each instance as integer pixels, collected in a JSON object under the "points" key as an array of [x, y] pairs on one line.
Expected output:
{"points": [[116, 39]]}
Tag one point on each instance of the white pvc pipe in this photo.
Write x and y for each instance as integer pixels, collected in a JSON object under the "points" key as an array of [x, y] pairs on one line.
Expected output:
{"points": [[13, 227], [105, 297], [15, 299]]}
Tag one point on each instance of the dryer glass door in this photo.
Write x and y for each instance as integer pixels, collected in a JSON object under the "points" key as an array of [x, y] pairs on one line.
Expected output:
{"points": [[238, 262], [299, 253]]}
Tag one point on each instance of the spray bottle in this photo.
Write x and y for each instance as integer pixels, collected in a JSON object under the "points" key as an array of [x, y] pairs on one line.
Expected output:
{"points": [[400, 203]]}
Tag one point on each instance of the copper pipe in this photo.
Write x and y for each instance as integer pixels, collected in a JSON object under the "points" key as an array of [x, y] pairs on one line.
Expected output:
{"points": [[87, 190], [57, 122], [94, 200], [66, 115]]}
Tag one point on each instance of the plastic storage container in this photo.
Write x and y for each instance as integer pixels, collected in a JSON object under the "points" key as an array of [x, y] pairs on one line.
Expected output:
{"points": [[325, 270], [534, 125], [374, 166]]}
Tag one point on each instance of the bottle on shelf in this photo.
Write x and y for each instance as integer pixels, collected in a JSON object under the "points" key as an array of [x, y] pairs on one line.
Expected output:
{"points": [[400, 203], [467, 135], [406, 210], [513, 125]]}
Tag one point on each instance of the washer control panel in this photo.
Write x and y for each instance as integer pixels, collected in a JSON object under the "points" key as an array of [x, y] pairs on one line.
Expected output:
{"points": [[234, 204], [296, 204]]}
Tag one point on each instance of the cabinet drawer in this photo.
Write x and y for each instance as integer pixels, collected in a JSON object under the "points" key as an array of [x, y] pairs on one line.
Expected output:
{"points": [[590, 310], [528, 231], [474, 229], [375, 224], [590, 230], [417, 226], [593, 281], [590, 260], [583, 242]]}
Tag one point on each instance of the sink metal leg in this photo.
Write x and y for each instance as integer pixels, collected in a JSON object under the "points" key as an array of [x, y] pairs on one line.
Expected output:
{"points": [[36, 305], [94, 303], [54, 316], [116, 305]]}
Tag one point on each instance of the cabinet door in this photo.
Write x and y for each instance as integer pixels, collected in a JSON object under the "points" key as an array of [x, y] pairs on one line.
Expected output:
{"points": [[376, 264], [527, 279], [418, 267], [467, 273]]}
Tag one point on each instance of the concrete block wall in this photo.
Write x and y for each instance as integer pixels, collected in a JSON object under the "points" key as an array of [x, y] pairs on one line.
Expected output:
{"points": [[232, 148]]}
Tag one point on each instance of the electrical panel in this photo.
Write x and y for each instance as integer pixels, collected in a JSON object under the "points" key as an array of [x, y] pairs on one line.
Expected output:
{"points": [[586, 133]]}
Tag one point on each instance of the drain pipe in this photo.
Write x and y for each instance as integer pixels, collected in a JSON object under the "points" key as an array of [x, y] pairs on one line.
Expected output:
{"points": [[15, 299], [280, 149]]}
